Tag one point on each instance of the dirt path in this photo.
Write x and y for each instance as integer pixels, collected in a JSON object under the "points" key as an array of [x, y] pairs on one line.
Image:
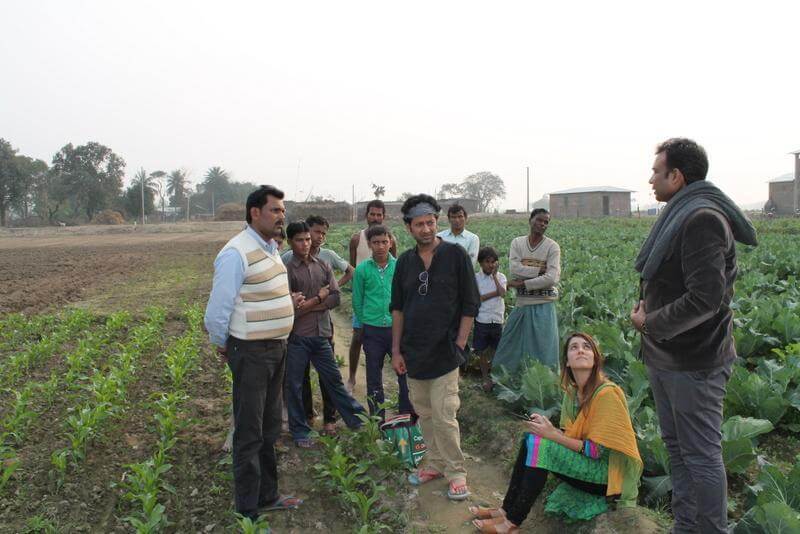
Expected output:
{"points": [[430, 509]]}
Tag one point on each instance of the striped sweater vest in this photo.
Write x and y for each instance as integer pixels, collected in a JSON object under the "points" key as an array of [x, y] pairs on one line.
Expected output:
{"points": [[263, 307]]}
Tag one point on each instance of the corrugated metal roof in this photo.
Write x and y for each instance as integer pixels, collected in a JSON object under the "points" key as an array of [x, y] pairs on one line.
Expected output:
{"points": [[592, 189], [788, 177]]}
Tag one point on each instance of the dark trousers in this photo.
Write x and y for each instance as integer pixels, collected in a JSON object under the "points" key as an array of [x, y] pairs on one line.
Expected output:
{"points": [[300, 351], [689, 407], [527, 483], [377, 343], [257, 368], [328, 411]]}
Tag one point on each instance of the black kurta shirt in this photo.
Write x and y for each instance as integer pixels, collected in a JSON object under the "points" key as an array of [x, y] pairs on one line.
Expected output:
{"points": [[430, 321]]}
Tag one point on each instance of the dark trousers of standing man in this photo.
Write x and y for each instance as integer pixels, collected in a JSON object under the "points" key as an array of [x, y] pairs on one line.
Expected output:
{"points": [[258, 368], [689, 407], [377, 343], [328, 409], [300, 351]]}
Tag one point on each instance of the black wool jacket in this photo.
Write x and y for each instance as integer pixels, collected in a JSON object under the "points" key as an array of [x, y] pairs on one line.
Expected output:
{"points": [[689, 319]]}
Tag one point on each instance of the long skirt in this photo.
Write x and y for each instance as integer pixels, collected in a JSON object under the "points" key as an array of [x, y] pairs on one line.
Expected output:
{"points": [[530, 333], [566, 499]]}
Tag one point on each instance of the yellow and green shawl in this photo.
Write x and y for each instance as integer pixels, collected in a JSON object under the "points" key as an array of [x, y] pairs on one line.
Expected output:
{"points": [[605, 421]]}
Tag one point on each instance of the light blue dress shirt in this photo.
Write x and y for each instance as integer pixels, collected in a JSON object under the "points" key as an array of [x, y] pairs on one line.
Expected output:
{"points": [[468, 241], [229, 270]]}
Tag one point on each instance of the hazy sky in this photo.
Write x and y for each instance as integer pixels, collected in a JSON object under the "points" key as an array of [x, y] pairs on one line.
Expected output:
{"points": [[408, 94]]}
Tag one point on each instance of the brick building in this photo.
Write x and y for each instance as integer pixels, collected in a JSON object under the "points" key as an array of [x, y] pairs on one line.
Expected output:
{"points": [[781, 195], [592, 202]]}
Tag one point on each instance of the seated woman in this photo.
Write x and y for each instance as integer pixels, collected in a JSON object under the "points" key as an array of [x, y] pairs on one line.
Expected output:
{"points": [[595, 456]]}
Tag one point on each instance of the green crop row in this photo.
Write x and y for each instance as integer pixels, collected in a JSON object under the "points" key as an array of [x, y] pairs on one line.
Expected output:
{"points": [[107, 392], [145, 481], [69, 325]]}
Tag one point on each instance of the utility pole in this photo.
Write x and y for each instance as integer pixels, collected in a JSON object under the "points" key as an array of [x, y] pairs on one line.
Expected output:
{"points": [[355, 215], [796, 183], [142, 197], [212, 204], [188, 203], [528, 190]]}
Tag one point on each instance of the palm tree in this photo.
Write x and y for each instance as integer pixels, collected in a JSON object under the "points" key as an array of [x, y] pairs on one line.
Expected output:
{"points": [[217, 184], [148, 179], [177, 184], [143, 181]]}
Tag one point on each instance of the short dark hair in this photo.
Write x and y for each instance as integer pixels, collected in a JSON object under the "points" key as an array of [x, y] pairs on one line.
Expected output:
{"points": [[537, 211], [258, 198], [375, 203], [297, 227], [377, 230], [313, 220], [418, 199], [454, 209], [487, 253], [687, 156]]}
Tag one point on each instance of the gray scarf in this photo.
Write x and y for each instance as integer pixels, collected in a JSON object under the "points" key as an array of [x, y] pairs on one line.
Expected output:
{"points": [[695, 196]]}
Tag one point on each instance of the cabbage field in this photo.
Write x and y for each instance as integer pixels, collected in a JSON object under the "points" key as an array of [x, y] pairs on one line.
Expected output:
{"points": [[762, 407]]}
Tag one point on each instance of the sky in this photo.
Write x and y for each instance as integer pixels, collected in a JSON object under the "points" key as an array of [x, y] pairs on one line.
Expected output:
{"points": [[320, 98]]}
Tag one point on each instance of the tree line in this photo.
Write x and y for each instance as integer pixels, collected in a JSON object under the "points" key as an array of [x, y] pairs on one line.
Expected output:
{"points": [[81, 181]]}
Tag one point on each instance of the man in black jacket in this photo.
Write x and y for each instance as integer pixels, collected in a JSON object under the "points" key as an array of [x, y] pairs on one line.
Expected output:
{"points": [[688, 268]]}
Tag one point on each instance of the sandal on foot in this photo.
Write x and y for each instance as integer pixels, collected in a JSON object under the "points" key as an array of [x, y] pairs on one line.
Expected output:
{"points": [[423, 475], [480, 512], [458, 492], [329, 429], [284, 502], [489, 526]]}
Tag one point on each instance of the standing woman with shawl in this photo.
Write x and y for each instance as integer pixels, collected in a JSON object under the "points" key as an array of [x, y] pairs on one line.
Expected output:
{"points": [[595, 455]]}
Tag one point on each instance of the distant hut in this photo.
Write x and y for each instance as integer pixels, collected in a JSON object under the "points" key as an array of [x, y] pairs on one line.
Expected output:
{"points": [[781, 195], [593, 202]]}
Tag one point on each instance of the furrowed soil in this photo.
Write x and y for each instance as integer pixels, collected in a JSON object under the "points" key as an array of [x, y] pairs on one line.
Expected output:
{"points": [[111, 269]]}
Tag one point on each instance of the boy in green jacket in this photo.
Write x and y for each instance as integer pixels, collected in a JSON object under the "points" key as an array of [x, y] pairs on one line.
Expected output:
{"points": [[372, 293]]}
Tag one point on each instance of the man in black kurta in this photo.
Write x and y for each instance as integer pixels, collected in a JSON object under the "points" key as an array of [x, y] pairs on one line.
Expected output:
{"points": [[434, 302]]}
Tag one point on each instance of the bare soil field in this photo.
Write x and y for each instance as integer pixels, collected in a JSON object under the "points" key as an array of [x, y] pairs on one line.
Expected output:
{"points": [[45, 272]]}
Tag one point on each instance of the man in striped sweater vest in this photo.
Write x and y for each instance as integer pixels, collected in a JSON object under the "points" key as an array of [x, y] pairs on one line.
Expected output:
{"points": [[249, 316]]}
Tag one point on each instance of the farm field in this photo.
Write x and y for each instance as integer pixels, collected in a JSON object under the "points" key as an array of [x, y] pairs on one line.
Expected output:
{"points": [[113, 409]]}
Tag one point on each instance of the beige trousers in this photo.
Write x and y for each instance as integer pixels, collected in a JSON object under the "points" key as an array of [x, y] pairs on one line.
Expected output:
{"points": [[436, 402]]}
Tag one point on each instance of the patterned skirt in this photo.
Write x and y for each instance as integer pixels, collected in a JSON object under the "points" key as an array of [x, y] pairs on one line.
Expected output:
{"points": [[567, 500]]}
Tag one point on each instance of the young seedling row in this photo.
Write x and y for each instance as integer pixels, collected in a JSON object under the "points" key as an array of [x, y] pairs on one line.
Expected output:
{"points": [[35, 353], [145, 482], [107, 392]]}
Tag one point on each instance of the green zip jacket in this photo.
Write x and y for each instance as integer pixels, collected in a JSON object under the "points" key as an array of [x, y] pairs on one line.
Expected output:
{"points": [[372, 292]]}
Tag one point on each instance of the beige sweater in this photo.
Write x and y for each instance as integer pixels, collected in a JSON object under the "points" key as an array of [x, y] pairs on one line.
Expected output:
{"points": [[539, 266]]}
